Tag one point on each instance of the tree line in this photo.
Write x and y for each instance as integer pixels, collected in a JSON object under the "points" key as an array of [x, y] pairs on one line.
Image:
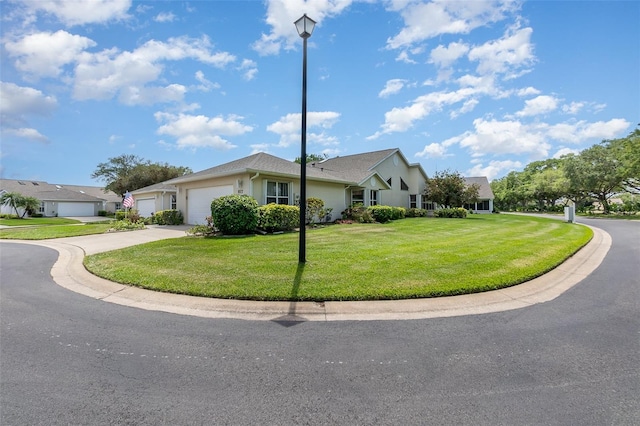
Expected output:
{"points": [[607, 169]]}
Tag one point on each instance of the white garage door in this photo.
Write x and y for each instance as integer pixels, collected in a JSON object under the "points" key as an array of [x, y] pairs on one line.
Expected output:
{"points": [[76, 209], [146, 207], [199, 202]]}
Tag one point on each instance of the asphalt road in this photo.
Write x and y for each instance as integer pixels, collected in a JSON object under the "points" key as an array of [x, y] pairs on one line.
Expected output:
{"points": [[69, 359]]}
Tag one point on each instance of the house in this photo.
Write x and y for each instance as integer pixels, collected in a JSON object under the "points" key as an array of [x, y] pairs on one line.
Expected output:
{"points": [[153, 198], [381, 177], [484, 204], [62, 200]]}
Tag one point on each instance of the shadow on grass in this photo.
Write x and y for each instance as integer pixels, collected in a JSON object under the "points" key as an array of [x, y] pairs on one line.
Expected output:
{"points": [[291, 318]]}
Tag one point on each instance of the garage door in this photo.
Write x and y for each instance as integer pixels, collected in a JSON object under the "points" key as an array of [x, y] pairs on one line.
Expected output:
{"points": [[199, 202], [76, 209], [146, 207]]}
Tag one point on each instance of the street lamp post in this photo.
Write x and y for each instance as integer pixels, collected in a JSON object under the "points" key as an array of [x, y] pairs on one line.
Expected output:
{"points": [[305, 26]]}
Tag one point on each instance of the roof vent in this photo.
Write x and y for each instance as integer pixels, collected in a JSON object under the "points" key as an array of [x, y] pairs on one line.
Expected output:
{"points": [[35, 183], [58, 186], [21, 183]]}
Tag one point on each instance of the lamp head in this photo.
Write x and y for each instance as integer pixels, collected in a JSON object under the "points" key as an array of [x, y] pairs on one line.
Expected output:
{"points": [[305, 26]]}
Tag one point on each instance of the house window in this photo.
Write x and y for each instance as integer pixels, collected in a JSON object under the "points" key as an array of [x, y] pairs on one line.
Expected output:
{"points": [[174, 204], [277, 192], [403, 185], [357, 196], [118, 206], [483, 205], [428, 205], [373, 198], [413, 201], [389, 181], [41, 207]]}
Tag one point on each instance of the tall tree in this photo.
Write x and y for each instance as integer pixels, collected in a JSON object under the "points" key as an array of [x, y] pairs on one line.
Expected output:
{"points": [[130, 172], [312, 157], [18, 201], [449, 189]]}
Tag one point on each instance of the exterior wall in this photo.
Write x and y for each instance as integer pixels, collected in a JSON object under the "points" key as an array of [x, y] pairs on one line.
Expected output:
{"points": [[395, 168], [182, 188], [333, 195]]}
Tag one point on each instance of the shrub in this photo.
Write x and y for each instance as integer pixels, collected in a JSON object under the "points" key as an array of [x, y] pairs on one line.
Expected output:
{"points": [[414, 212], [201, 231], [168, 217], [398, 213], [102, 213], [314, 208], [120, 215], [357, 213], [278, 217], [381, 214], [235, 214], [128, 225], [457, 212]]}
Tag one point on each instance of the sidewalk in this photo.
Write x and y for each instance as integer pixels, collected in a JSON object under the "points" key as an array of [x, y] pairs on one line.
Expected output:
{"points": [[69, 272]]}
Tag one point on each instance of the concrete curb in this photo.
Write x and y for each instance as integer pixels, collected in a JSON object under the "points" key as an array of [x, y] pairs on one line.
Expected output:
{"points": [[69, 272]]}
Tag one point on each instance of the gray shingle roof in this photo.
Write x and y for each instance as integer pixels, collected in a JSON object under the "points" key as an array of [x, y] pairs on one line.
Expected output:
{"points": [[155, 188], [260, 162], [44, 191], [485, 191]]}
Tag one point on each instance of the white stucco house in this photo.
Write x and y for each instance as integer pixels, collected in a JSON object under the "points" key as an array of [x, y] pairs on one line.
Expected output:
{"points": [[154, 198], [62, 200], [381, 177]]}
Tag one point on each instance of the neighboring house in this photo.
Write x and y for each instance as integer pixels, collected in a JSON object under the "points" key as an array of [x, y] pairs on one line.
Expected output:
{"points": [[154, 198], [382, 177], [61, 200], [484, 204]]}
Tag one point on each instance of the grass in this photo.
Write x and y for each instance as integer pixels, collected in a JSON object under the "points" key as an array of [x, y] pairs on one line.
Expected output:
{"points": [[53, 231], [38, 221], [410, 258]]}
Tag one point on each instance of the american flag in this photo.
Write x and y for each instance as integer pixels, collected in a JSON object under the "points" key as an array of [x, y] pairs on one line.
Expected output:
{"points": [[128, 200]]}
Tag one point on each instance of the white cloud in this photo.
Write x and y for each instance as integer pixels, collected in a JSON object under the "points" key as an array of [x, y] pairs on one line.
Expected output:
{"points": [[433, 150], [205, 85], [426, 20], [80, 12], [133, 95], [505, 137], [18, 105], [581, 131], [165, 17], [104, 74], [392, 87], [528, 91], [281, 14], [249, 68], [573, 108], [513, 51], [25, 133], [494, 168], [289, 127], [404, 57], [199, 131], [538, 105], [565, 151], [445, 56], [44, 54]]}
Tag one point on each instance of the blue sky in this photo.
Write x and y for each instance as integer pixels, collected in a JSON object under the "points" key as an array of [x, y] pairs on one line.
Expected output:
{"points": [[482, 88]]}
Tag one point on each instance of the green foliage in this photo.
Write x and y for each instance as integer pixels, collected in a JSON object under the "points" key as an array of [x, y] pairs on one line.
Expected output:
{"points": [[398, 213], [102, 213], [130, 172], [235, 214], [278, 217], [120, 215], [314, 209], [357, 213], [450, 189], [201, 231], [415, 212], [16, 201], [168, 217], [128, 225], [312, 158], [381, 214], [456, 212]]}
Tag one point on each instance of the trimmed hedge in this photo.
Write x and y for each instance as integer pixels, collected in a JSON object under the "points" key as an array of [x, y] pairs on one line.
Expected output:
{"points": [[381, 214], [168, 217], [278, 217], [235, 214], [414, 212], [457, 212]]}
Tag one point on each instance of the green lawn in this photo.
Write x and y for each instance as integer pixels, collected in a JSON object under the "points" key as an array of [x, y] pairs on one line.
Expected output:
{"points": [[54, 231], [38, 221], [419, 257]]}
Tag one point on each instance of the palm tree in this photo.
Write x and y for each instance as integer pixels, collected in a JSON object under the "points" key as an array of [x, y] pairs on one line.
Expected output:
{"points": [[13, 200]]}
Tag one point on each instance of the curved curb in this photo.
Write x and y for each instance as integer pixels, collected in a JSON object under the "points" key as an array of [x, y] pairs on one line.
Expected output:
{"points": [[70, 273]]}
